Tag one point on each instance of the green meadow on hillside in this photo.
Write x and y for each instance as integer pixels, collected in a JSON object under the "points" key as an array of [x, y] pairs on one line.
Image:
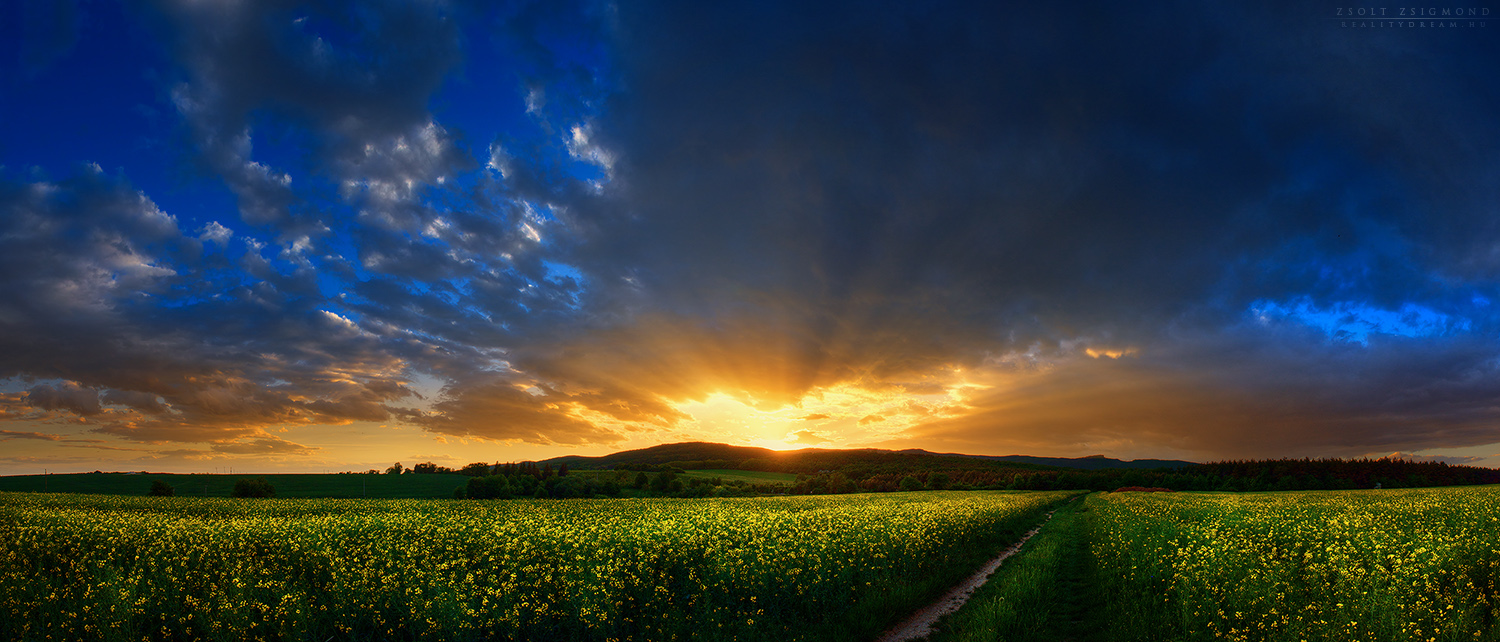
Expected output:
{"points": [[727, 475], [749, 476]]}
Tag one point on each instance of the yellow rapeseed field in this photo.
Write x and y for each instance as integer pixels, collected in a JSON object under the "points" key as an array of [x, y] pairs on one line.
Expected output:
{"points": [[1417, 564], [138, 568]]}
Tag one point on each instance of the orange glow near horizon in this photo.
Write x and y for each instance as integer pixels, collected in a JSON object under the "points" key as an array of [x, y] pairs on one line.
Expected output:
{"points": [[839, 416]]}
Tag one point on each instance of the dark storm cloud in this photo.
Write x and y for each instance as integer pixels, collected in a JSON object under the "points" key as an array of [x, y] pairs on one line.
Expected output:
{"points": [[67, 396], [495, 409], [1242, 392], [898, 188], [1011, 163]]}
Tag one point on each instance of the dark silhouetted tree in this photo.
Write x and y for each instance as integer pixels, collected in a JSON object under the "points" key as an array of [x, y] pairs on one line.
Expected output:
{"points": [[663, 481], [160, 488], [257, 487]]}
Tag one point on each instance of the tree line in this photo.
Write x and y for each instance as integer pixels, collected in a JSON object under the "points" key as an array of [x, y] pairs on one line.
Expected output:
{"points": [[1245, 476], [527, 480]]}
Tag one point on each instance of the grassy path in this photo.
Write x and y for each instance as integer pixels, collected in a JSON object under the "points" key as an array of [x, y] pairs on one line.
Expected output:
{"points": [[919, 625], [1047, 592]]}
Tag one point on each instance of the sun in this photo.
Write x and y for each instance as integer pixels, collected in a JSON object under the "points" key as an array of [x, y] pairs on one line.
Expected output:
{"points": [[839, 416]]}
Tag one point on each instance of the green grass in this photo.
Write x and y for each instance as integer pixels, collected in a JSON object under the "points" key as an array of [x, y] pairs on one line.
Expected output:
{"points": [[724, 474], [749, 476], [1044, 592], [305, 485]]}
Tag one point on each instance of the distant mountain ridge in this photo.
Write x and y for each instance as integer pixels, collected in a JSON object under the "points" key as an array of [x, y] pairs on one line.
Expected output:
{"points": [[1091, 462], [815, 459]]}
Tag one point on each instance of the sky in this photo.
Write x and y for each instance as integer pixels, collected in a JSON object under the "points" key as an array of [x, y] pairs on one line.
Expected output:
{"points": [[273, 236]]}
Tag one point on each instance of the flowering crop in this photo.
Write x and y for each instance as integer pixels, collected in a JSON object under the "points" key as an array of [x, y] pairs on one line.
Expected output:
{"points": [[133, 568], [1419, 564]]}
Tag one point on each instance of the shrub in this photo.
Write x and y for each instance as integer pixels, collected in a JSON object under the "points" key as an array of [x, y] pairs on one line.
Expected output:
{"points": [[257, 487], [492, 487], [160, 488], [909, 483], [566, 487], [938, 481]]}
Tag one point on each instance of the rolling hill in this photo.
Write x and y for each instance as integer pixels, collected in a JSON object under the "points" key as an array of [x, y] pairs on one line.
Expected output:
{"points": [[690, 455]]}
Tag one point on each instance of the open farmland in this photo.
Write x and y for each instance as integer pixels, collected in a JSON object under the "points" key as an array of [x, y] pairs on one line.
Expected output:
{"points": [[833, 567], [287, 485], [1417, 564], [1411, 564], [748, 476]]}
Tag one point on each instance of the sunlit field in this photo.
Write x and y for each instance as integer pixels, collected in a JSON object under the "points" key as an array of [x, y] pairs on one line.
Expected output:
{"points": [[1419, 564], [827, 567]]}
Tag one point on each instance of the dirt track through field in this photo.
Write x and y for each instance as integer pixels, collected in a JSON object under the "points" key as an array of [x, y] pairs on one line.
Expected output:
{"points": [[919, 625]]}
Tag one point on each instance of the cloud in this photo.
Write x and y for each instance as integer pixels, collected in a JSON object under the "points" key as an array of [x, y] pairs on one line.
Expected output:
{"points": [[806, 437], [1250, 393], [1453, 460], [11, 434], [803, 198], [357, 77], [498, 411], [263, 446], [129, 325], [66, 396], [142, 401], [1210, 246], [385, 177]]}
